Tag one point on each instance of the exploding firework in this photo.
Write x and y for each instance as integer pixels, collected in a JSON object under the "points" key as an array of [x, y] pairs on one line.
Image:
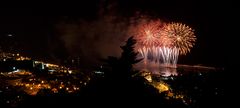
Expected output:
{"points": [[148, 33], [161, 43], [181, 36]]}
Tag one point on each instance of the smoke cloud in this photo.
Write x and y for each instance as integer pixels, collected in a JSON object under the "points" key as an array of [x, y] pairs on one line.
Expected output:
{"points": [[91, 40]]}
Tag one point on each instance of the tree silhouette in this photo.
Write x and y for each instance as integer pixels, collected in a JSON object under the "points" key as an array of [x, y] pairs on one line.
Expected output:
{"points": [[129, 57], [122, 68]]}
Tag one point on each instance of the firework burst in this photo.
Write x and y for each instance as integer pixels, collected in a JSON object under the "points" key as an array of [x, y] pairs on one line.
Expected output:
{"points": [[162, 43], [181, 36], [148, 34]]}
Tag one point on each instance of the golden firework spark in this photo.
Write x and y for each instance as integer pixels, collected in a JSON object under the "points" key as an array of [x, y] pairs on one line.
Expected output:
{"points": [[181, 36]]}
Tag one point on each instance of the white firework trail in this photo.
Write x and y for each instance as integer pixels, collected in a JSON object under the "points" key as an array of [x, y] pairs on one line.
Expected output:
{"points": [[164, 56]]}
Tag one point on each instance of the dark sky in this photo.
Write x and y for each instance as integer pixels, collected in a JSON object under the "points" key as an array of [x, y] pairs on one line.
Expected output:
{"points": [[45, 32]]}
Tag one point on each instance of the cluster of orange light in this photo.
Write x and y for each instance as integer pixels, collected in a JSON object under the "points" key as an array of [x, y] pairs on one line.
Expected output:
{"points": [[34, 86], [51, 65], [21, 58], [162, 87]]}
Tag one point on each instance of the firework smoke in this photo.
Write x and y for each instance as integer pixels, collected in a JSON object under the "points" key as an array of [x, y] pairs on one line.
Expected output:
{"points": [[91, 40]]}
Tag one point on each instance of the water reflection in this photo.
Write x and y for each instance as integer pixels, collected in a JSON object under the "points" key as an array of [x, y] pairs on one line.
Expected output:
{"points": [[165, 71], [158, 70]]}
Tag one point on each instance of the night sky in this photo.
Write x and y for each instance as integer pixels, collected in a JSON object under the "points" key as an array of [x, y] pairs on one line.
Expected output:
{"points": [[84, 30]]}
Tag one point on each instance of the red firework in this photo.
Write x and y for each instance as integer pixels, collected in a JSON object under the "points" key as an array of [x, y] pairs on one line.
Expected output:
{"points": [[148, 33]]}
